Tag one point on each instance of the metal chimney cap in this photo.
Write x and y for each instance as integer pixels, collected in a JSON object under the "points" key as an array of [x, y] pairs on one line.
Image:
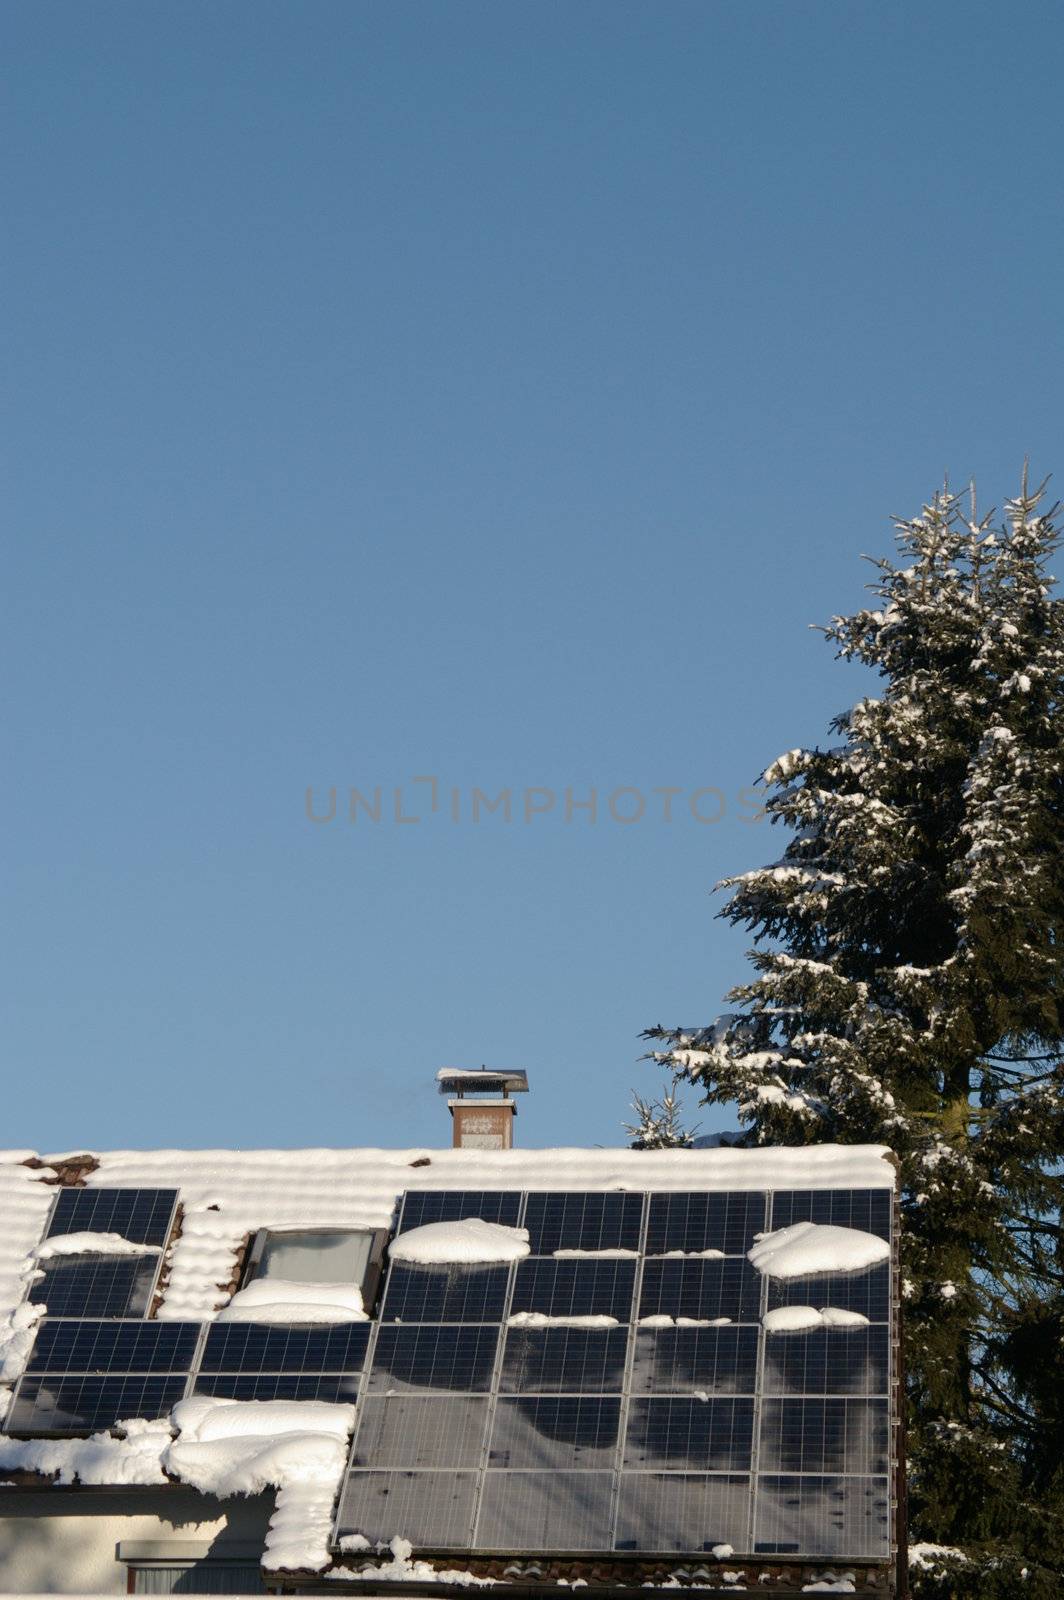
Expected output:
{"points": [[482, 1080]]}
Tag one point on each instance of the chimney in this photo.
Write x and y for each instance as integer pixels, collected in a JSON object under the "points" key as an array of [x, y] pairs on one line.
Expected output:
{"points": [[481, 1109]]}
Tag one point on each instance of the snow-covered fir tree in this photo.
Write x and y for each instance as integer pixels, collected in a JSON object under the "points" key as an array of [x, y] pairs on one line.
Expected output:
{"points": [[909, 990], [659, 1123]]}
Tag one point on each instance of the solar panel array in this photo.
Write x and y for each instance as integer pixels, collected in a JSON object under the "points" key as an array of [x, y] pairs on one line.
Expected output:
{"points": [[497, 1415], [614, 1391]]}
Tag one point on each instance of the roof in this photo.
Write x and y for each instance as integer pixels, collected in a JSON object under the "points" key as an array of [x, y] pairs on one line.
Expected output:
{"points": [[300, 1447]]}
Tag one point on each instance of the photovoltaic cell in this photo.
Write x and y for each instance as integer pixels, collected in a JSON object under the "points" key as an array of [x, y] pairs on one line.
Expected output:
{"points": [[583, 1222], [673, 1511], [417, 1431], [563, 1360], [726, 1221], [842, 1361], [444, 1294], [433, 1357], [682, 1360], [251, 1347], [701, 1289], [828, 1516], [450, 1205], [555, 1432], [434, 1510], [575, 1288], [142, 1216], [73, 1345], [690, 1435], [564, 1511], [91, 1285], [86, 1403]]}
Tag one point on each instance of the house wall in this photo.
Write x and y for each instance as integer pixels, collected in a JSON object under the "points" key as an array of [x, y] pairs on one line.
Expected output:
{"points": [[65, 1541]]}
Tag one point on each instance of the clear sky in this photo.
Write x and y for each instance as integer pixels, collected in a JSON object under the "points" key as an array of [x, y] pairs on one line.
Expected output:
{"points": [[489, 391]]}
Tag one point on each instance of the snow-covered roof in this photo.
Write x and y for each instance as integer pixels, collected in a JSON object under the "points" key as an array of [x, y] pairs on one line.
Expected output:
{"points": [[300, 1447], [227, 1194]]}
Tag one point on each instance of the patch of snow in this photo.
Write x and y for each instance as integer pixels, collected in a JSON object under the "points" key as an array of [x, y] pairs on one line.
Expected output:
{"points": [[798, 1319], [540, 1319], [401, 1569], [25, 1201], [927, 1557], [722, 1551], [298, 1447], [99, 1244], [662, 1320], [17, 1333], [471, 1240], [281, 1300], [597, 1255], [808, 1248], [693, 1255], [101, 1459], [843, 1585]]}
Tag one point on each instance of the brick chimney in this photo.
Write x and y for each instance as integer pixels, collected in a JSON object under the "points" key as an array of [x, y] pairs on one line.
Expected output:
{"points": [[482, 1111]]}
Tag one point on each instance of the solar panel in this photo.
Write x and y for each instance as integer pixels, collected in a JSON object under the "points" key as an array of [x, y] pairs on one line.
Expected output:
{"points": [[575, 1288], [92, 1285], [867, 1209], [417, 1431], [433, 1357], [444, 1294], [450, 1205], [702, 1290], [546, 1511], [830, 1516], [76, 1345], [685, 1360], [583, 1222], [672, 1511], [252, 1347], [693, 1222], [867, 1292], [86, 1374], [563, 1360], [556, 1431], [824, 1436], [434, 1510], [480, 1429], [829, 1361], [86, 1402], [143, 1216], [688, 1435]]}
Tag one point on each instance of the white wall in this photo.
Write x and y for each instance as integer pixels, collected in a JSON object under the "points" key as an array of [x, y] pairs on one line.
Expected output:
{"points": [[64, 1541]]}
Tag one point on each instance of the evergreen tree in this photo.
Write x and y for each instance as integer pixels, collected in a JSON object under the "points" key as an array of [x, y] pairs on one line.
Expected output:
{"points": [[909, 990], [659, 1124]]}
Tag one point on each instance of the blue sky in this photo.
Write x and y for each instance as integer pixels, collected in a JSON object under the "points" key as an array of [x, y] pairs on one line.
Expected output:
{"points": [[493, 392]]}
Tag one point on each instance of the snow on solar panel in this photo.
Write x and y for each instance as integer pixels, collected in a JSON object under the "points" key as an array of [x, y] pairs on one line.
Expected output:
{"points": [[617, 1389]]}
